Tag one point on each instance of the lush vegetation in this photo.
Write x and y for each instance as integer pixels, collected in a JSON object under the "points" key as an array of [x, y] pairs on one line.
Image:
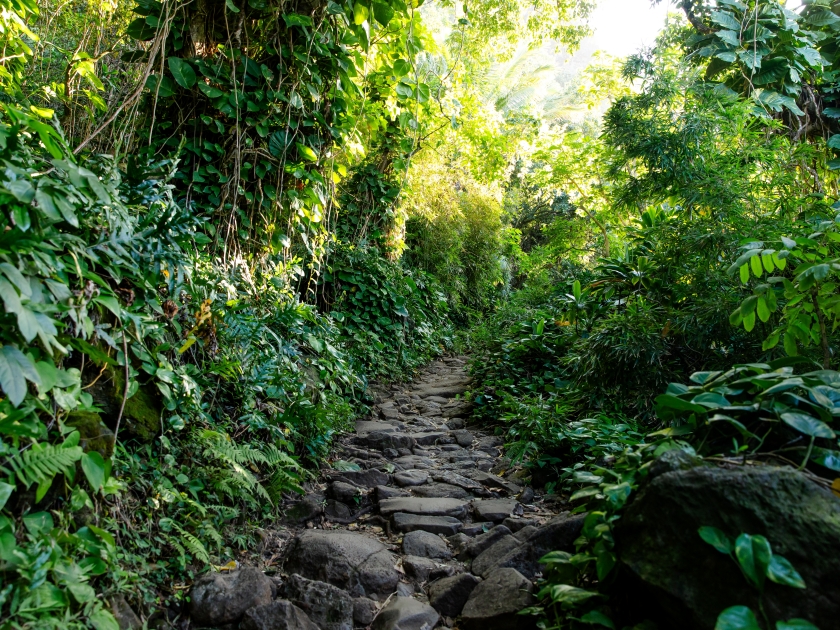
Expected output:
{"points": [[223, 220]]}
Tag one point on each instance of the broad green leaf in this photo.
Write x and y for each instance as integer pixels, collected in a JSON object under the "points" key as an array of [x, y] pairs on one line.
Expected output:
{"points": [[767, 262], [15, 370], [595, 618], [182, 72], [38, 523], [825, 457], [94, 468], [569, 596], [383, 13], [717, 539], [745, 273], [781, 571], [753, 554], [737, 618], [103, 620], [795, 624], [360, 13], [790, 345], [762, 310], [749, 322], [807, 424], [6, 490], [755, 264]]}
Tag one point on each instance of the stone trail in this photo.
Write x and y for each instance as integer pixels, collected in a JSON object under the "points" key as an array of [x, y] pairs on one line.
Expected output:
{"points": [[420, 524]]}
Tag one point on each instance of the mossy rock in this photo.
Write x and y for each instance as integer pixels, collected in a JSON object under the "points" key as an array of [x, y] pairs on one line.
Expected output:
{"points": [[95, 436], [142, 413]]}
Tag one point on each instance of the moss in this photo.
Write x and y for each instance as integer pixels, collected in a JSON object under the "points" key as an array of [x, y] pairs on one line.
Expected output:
{"points": [[141, 417], [95, 436]]}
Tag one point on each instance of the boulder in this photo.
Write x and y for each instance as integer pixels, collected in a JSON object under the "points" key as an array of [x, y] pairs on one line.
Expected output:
{"points": [[278, 615], [423, 569], [495, 602], [364, 611], [487, 540], [429, 438], [406, 613], [348, 560], [126, 618], [666, 566], [448, 595], [327, 606], [425, 544], [220, 598], [463, 437], [94, 435], [559, 533]]}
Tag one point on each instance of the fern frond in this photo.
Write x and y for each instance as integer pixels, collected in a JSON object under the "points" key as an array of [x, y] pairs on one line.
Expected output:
{"points": [[43, 462]]}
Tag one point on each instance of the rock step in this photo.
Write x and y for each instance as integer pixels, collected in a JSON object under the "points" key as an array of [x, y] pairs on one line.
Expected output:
{"points": [[424, 526]]}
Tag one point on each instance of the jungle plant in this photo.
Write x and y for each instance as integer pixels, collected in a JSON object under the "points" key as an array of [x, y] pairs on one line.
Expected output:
{"points": [[754, 556]]}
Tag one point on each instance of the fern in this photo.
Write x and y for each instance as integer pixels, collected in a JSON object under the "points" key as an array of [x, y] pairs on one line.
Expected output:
{"points": [[42, 462]]}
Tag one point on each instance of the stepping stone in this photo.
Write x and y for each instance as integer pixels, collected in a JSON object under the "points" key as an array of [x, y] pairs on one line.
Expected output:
{"points": [[427, 439], [492, 481], [446, 525], [448, 595], [463, 437], [495, 510], [411, 478], [368, 478], [474, 529], [440, 490], [406, 613], [495, 602], [423, 569], [414, 461], [424, 506], [426, 545], [437, 399], [456, 480], [386, 439], [363, 427], [387, 492]]}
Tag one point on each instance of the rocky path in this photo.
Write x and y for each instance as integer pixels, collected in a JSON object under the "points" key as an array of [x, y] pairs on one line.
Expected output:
{"points": [[421, 523]]}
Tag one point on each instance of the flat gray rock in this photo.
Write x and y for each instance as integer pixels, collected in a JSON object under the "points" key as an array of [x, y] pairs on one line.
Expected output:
{"points": [[453, 478], [363, 427], [426, 545], [463, 437], [406, 613], [368, 478], [495, 510], [388, 492], [411, 478], [440, 490], [429, 438], [493, 481], [414, 461], [446, 525], [423, 506], [495, 602]]}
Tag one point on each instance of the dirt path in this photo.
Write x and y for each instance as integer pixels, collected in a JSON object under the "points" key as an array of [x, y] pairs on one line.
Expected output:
{"points": [[420, 524]]}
